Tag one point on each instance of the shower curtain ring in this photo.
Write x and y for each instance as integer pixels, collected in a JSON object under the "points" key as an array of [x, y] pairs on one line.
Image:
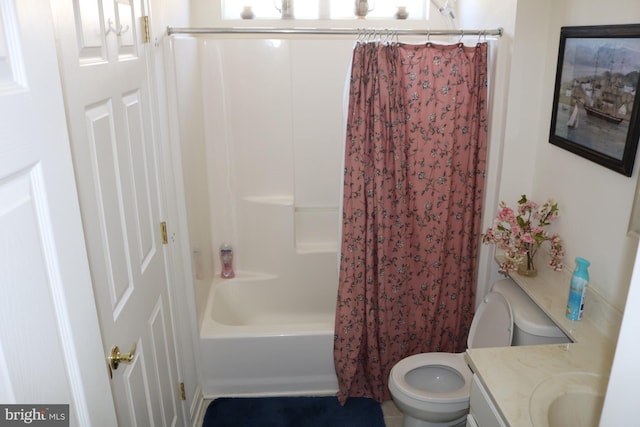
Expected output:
{"points": [[482, 35]]}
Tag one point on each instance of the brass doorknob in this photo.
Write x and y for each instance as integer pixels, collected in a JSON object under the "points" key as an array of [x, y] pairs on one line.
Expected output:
{"points": [[115, 358]]}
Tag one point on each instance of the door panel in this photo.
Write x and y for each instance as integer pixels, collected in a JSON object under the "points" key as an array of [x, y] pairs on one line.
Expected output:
{"points": [[12, 72], [109, 108], [92, 46], [114, 270], [126, 25], [139, 163], [28, 267]]}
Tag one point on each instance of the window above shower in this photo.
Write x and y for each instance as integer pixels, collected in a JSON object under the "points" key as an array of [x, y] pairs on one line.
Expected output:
{"points": [[339, 10]]}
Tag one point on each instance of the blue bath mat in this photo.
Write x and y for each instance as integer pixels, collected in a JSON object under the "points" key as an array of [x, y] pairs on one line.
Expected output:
{"points": [[293, 412]]}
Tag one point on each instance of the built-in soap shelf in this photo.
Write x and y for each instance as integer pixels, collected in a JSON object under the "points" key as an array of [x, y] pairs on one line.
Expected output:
{"points": [[246, 276], [315, 249], [270, 200], [315, 226], [550, 290]]}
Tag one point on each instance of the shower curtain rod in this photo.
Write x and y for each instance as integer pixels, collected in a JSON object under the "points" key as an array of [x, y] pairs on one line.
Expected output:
{"points": [[332, 31]]}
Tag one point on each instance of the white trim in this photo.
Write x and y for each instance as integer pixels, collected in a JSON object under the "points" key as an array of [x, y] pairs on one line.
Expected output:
{"points": [[178, 201], [62, 314], [198, 408]]}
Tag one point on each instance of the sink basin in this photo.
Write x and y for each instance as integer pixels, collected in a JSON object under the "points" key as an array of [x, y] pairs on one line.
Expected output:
{"points": [[568, 400]]}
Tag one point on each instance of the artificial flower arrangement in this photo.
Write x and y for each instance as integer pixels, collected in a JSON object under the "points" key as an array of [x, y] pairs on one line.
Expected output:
{"points": [[521, 234]]}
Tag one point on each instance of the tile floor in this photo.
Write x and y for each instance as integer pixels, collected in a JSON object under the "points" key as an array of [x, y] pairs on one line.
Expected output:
{"points": [[392, 415]]}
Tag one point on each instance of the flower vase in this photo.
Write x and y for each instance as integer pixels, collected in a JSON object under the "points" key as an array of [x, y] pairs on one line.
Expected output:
{"points": [[528, 266]]}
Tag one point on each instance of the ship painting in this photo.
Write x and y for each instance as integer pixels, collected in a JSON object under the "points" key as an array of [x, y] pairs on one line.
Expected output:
{"points": [[605, 101], [605, 94], [595, 107], [601, 114]]}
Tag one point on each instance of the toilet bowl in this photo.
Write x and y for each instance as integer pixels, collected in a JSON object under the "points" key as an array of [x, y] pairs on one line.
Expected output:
{"points": [[432, 389], [445, 376]]}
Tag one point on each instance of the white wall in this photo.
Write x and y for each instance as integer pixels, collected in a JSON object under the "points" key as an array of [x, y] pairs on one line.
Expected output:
{"points": [[598, 204], [595, 202]]}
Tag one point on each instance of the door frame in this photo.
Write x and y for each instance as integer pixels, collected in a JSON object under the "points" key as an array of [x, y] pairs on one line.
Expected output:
{"points": [[182, 299]]}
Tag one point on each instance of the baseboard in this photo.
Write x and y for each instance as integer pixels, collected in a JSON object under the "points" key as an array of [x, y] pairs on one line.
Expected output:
{"points": [[198, 408]]}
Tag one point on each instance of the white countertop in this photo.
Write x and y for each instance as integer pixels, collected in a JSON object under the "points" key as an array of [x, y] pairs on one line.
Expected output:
{"points": [[511, 374]]}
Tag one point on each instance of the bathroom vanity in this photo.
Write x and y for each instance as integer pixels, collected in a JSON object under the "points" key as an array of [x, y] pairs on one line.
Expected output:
{"points": [[544, 385], [482, 408]]}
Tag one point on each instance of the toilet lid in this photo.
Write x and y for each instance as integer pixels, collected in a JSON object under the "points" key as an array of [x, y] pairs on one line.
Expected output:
{"points": [[492, 325]]}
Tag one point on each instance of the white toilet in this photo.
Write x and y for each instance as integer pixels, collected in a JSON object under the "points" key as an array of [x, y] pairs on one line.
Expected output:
{"points": [[432, 389]]}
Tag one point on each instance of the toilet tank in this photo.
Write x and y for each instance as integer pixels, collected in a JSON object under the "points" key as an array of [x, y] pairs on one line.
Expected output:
{"points": [[531, 325]]}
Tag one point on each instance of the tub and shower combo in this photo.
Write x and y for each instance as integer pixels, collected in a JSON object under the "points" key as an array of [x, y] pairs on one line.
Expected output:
{"points": [[262, 155], [262, 127]]}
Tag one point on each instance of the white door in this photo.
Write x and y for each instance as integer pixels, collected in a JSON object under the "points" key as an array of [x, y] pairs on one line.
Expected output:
{"points": [[108, 101], [50, 349]]}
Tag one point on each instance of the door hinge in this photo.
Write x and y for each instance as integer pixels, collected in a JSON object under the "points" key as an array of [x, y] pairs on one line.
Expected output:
{"points": [[146, 35], [183, 395], [163, 230]]}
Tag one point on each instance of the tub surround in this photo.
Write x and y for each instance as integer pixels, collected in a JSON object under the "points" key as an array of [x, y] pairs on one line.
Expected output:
{"points": [[511, 374]]}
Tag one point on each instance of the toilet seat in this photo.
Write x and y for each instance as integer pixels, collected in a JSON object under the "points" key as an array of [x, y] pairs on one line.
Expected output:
{"points": [[492, 326], [454, 361]]}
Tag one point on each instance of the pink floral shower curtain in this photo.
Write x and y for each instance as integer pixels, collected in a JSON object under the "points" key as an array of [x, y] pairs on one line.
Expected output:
{"points": [[413, 189]]}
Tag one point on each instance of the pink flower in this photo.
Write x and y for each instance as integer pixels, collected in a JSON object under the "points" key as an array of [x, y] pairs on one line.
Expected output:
{"points": [[515, 234], [505, 214], [526, 238], [528, 207]]}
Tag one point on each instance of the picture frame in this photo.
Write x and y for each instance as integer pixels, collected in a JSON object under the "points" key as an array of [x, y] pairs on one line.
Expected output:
{"points": [[596, 106]]}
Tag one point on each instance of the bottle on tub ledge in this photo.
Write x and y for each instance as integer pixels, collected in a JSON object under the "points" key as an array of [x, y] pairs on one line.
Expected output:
{"points": [[577, 290], [226, 259]]}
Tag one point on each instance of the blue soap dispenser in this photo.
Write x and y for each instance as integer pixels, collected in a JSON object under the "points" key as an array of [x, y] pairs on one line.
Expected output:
{"points": [[578, 288]]}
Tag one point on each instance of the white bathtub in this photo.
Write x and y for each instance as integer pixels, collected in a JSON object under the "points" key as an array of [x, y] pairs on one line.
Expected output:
{"points": [[259, 338]]}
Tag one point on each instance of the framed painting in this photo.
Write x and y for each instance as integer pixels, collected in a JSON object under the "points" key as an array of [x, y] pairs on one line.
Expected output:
{"points": [[595, 102]]}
